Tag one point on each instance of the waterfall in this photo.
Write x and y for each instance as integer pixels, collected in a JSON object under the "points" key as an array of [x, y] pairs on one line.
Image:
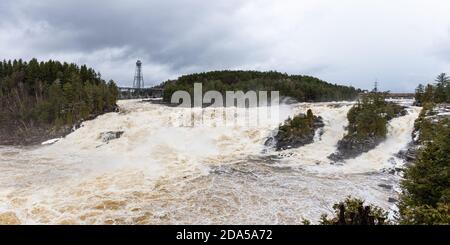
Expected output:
{"points": [[158, 173]]}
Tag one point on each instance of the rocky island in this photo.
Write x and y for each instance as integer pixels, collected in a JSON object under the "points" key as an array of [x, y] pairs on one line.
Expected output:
{"points": [[296, 132], [367, 127]]}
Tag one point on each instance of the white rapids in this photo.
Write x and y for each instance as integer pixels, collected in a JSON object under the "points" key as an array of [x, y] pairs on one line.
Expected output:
{"points": [[156, 173]]}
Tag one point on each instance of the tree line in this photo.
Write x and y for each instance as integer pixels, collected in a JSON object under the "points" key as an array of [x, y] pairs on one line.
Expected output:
{"points": [[426, 184], [301, 88], [439, 92], [51, 94]]}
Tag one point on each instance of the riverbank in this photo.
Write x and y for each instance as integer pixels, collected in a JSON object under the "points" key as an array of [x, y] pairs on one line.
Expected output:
{"points": [[425, 129], [34, 136], [12, 134]]}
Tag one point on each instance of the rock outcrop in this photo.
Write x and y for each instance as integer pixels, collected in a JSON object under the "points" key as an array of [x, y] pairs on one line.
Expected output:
{"points": [[110, 135], [367, 127], [296, 132], [348, 148]]}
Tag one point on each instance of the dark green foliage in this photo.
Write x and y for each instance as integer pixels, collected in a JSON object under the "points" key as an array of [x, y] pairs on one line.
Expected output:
{"points": [[299, 126], [302, 88], [426, 183], [369, 117], [426, 128], [367, 126], [426, 215], [442, 84], [437, 93], [51, 94], [353, 212], [298, 131], [420, 91], [306, 222], [310, 116]]}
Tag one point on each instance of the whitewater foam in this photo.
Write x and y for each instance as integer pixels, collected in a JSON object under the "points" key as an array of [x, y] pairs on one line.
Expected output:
{"points": [[156, 173]]}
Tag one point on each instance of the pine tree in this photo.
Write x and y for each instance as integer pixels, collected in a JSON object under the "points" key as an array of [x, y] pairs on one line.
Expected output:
{"points": [[426, 183], [353, 212], [442, 83], [420, 90]]}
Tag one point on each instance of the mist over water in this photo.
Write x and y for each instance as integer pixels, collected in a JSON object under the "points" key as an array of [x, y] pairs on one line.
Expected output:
{"points": [[157, 173]]}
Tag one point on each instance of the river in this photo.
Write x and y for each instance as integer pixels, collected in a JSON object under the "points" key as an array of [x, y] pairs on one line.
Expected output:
{"points": [[158, 173]]}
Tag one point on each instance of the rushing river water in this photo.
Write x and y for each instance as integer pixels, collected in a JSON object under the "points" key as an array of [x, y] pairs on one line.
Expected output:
{"points": [[157, 173]]}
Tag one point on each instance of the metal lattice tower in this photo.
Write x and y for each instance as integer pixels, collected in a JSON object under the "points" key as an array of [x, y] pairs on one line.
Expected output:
{"points": [[138, 82]]}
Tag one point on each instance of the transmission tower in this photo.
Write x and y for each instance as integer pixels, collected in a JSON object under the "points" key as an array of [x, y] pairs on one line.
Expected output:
{"points": [[138, 77], [375, 88]]}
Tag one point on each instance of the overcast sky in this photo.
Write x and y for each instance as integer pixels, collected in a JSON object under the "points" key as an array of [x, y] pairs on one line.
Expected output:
{"points": [[399, 42]]}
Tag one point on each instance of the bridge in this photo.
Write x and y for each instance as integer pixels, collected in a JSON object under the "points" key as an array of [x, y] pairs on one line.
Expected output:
{"points": [[138, 91], [394, 95], [126, 93]]}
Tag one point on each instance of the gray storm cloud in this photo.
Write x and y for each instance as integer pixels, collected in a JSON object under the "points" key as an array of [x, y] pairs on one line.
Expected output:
{"points": [[349, 42]]}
